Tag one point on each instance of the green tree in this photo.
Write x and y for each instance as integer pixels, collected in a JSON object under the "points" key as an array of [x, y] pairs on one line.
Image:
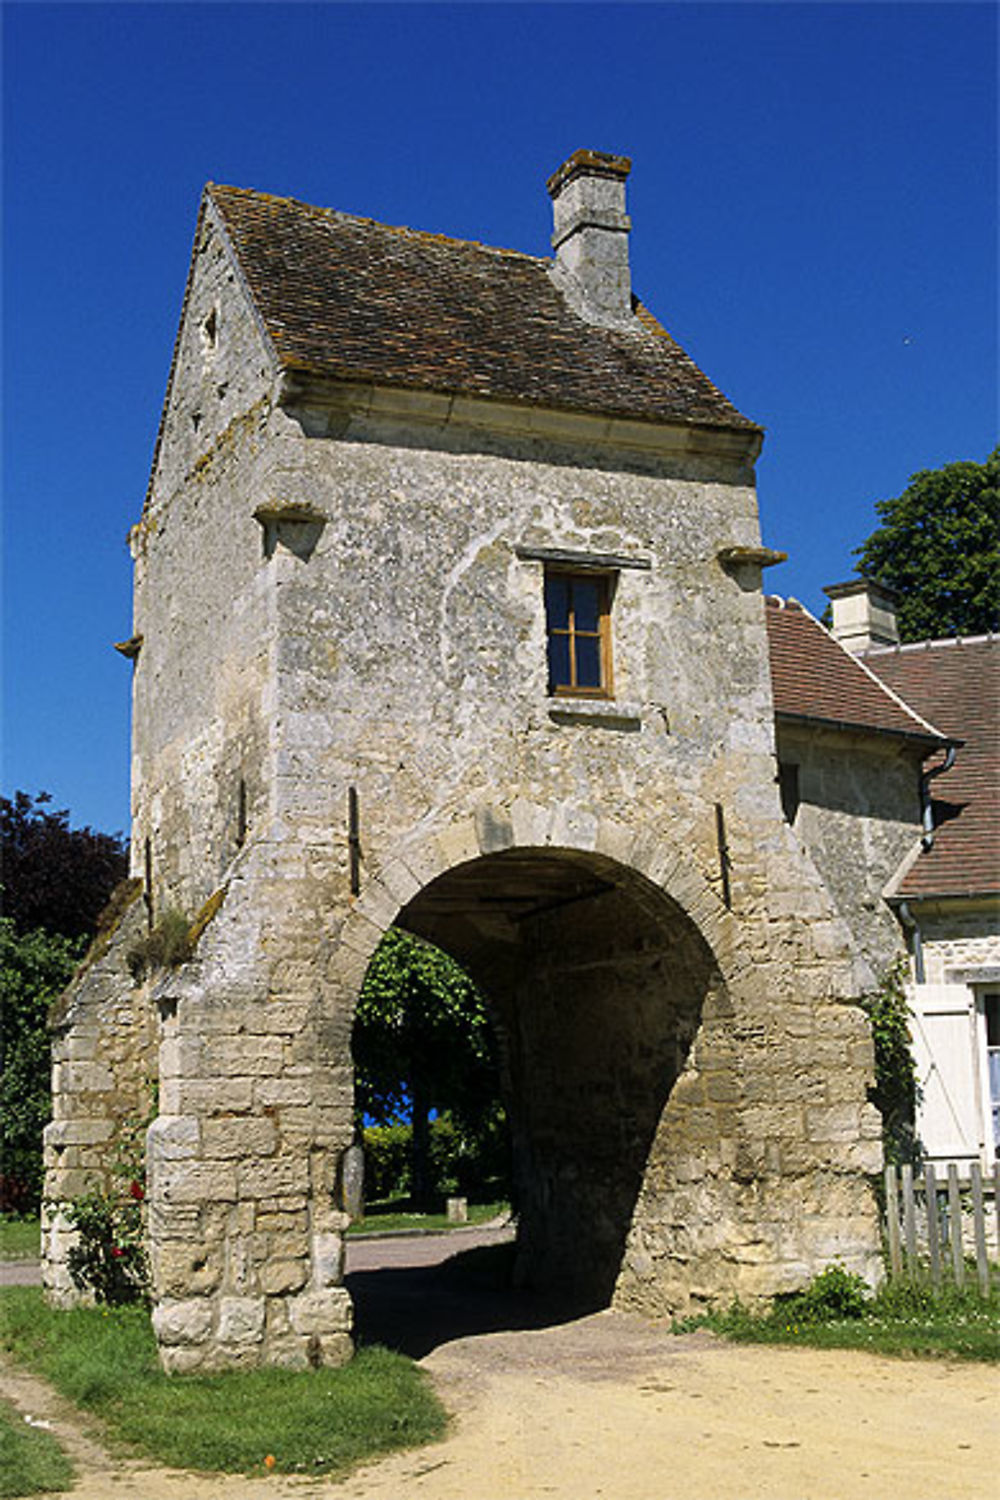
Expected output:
{"points": [[56, 880], [939, 547], [55, 876], [34, 968], [423, 1044]]}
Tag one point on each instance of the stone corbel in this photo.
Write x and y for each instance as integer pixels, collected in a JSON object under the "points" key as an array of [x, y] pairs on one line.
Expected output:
{"points": [[129, 648], [295, 528], [745, 563]]}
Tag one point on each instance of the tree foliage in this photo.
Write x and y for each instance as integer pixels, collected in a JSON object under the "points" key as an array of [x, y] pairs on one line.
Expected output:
{"points": [[34, 968], [423, 1044], [54, 877], [55, 882], [939, 547]]}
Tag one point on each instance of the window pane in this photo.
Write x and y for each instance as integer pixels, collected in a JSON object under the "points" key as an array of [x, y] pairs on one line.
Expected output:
{"points": [[558, 661], [588, 661], [557, 601], [586, 602]]}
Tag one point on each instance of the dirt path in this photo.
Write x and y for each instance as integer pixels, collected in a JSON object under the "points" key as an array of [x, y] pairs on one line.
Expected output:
{"points": [[610, 1406]]}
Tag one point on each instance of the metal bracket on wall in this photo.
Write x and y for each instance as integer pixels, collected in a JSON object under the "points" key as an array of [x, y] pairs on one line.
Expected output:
{"points": [[354, 840]]}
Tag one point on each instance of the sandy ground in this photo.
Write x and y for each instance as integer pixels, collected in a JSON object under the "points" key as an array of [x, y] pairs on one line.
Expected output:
{"points": [[608, 1405]]}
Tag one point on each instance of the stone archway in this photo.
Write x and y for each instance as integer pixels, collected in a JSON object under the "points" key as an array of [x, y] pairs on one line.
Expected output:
{"points": [[599, 983]]}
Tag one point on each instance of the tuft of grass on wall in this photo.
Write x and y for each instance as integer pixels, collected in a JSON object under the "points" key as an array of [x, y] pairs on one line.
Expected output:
{"points": [[31, 1461], [307, 1422]]}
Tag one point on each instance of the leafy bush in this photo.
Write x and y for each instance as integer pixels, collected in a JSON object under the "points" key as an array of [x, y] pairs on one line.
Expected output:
{"points": [[831, 1296], [387, 1161], [109, 1257], [34, 968]]}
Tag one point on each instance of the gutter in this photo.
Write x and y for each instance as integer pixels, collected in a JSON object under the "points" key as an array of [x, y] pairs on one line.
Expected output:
{"points": [[926, 805], [912, 929]]}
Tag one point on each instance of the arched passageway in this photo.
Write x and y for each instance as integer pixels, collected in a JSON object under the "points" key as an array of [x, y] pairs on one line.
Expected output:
{"points": [[598, 982]]}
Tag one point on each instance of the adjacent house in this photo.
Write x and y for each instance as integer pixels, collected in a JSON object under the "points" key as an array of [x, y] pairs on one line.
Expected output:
{"points": [[889, 766]]}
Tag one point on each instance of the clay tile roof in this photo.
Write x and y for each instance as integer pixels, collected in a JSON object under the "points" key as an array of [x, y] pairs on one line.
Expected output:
{"points": [[349, 299], [957, 684], [815, 679]]}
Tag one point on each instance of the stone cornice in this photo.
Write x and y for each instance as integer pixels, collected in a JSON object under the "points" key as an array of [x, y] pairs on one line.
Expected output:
{"points": [[323, 406]]}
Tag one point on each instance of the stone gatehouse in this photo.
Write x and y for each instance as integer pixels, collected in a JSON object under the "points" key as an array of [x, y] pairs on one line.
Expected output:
{"points": [[448, 613]]}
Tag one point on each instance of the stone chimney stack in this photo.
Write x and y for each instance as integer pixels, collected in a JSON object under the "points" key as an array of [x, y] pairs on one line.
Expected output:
{"points": [[591, 236], [864, 614]]}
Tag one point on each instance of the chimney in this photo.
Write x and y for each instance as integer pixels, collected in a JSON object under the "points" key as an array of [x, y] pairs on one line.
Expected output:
{"points": [[864, 614], [591, 236]]}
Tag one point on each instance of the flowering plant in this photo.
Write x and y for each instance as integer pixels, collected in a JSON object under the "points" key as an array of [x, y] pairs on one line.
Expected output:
{"points": [[109, 1257]]}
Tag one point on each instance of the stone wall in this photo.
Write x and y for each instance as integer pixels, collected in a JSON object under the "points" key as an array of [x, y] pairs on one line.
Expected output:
{"points": [[340, 595], [958, 936], [859, 816], [104, 1074]]}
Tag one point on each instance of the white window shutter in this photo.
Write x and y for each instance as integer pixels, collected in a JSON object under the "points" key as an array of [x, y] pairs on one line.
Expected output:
{"points": [[945, 1048]]}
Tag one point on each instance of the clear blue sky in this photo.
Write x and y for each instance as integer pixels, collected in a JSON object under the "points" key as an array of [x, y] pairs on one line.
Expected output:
{"points": [[814, 218]]}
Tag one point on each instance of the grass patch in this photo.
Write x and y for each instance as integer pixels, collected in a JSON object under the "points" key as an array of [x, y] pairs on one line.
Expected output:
{"points": [[315, 1422], [31, 1461], [20, 1238], [393, 1214], [902, 1319]]}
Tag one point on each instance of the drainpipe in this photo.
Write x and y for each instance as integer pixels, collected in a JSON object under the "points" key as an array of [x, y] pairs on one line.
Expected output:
{"points": [[909, 922], [927, 808]]}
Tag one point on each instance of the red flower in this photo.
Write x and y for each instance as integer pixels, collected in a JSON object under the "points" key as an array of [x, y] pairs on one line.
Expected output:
{"points": [[138, 1191], [117, 1252]]}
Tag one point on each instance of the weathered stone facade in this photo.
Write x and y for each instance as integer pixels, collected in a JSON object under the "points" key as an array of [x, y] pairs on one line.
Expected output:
{"points": [[859, 816], [340, 603]]}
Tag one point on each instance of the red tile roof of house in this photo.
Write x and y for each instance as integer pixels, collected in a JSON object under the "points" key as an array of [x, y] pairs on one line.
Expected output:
{"points": [[957, 684], [815, 679], [349, 299]]}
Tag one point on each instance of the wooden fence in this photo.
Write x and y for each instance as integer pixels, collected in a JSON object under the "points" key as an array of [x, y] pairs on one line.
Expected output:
{"points": [[936, 1223]]}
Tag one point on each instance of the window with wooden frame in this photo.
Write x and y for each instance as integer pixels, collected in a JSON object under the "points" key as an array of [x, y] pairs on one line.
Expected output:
{"points": [[578, 627]]}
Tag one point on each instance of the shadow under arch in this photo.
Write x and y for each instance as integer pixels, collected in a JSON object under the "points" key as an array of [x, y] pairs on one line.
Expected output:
{"points": [[599, 983]]}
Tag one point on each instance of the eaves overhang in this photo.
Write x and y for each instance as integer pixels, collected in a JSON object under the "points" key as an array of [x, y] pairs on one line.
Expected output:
{"points": [[323, 404], [927, 743]]}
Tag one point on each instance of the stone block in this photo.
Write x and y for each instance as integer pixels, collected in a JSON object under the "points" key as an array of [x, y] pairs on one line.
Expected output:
{"points": [[838, 1123], [327, 1260], [275, 1178], [243, 1056], [279, 1277], [174, 1138], [196, 1182], [241, 1320], [326, 1312], [280, 1091], [215, 1096], [240, 1137], [187, 1322]]}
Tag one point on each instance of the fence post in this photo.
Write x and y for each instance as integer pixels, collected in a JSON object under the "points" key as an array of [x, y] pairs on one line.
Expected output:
{"points": [[909, 1222], [892, 1222], [933, 1228], [979, 1219], [955, 1216]]}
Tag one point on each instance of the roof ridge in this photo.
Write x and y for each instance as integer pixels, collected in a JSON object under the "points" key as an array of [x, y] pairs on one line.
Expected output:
{"points": [[428, 236], [948, 640]]}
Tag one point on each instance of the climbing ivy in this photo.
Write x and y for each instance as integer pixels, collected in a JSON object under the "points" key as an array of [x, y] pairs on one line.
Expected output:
{"points": [[895, 1091]]}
